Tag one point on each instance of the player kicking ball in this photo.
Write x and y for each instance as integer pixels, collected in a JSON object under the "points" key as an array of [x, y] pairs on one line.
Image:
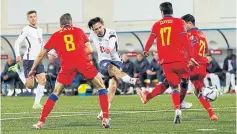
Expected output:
{"points": [[71, 42], [110, 63], [199, 47], [173, 49]]}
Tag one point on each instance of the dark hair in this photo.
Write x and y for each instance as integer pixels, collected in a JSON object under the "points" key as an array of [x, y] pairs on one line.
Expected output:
{"points": [[66, 19], [189, 18], [94, 21], [30, 12], [209, 54], [166, 8], [229, 49]]}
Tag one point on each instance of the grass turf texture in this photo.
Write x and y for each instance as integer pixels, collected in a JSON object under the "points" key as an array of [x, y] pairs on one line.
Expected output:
{"points": [[78, 115]]}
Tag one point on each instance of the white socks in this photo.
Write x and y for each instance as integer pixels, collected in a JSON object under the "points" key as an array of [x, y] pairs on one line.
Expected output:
{"points": [[39, 93], [128, 79], [22, 76]]}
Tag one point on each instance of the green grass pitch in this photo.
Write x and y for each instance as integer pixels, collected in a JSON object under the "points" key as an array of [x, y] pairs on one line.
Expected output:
{"points": [[77, 115]]}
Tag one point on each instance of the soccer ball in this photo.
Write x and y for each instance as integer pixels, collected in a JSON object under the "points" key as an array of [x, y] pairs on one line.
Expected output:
{"points": [[210, 94]]}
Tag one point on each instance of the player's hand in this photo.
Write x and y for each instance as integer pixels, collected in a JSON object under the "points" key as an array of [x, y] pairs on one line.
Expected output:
{"points": [[145, 53], [18, 59], [31, 73], [194, 63]]}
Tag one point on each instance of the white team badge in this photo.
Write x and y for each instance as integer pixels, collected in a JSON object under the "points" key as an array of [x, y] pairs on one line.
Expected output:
{"points": [[104, 64]]}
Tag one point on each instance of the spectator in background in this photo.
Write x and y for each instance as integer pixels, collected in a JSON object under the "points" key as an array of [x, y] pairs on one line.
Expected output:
{"points": [[214, 73], [52, 70], [155, 70], [141, 65], [9, 77], [229, 69], [128, 67]]}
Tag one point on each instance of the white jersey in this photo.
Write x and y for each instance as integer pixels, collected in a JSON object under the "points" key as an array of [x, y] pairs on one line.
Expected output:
{"points": [[33, 40], [102, 44]]}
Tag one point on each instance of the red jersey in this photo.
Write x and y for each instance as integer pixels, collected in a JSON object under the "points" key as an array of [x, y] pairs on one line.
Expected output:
{"points": [[172, 40], [199, 45], [69, 43]]}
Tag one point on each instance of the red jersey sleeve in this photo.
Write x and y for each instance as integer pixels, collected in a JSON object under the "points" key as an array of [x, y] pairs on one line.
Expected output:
{"points": [[50, 44], [84, 36], [185, 40], [151, 38]]}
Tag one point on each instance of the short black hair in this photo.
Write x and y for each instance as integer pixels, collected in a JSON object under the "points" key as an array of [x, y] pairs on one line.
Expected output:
{"points": [[189, 18], [209, 54], [166, 8], [229, 49], [66, 19], [94, 21], [30, 12]]}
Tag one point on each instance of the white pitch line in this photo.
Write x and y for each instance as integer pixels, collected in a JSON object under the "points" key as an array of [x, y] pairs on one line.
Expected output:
{"points": [[113, 112], [84, 112], [206, 129], [40, 112]]}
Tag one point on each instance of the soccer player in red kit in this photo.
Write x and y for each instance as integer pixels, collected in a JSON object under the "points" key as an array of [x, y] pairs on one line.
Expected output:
{"points": [[174, 53], [72, 47], [199, 47]]}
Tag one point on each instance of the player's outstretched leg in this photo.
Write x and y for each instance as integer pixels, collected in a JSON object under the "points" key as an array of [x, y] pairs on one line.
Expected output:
{"points": [[49, 105], [103, 98], [114, 71], [111, 94], [29, 83], [176, 103], [198, 92], [159, 89]]}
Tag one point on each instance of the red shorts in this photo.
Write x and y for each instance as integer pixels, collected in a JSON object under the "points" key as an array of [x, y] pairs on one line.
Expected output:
{"points": [[200, 72], [197, 76], [175, 71], [67, 74]]}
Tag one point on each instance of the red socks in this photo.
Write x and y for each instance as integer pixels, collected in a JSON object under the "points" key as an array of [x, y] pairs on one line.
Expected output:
{"points": [[206, 105], [48, 106], [104, 102], [176, 99], [159, 89]]}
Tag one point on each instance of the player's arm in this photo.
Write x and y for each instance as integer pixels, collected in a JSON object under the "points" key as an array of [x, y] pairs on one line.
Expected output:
{"points": [[150, 41], [184, 39], [89, 48], [48, 46], [112, 41], [187, 44], [19, 40], [39, 59]]}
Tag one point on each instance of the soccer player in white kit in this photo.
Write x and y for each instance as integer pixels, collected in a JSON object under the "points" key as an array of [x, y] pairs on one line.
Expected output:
{"points": [[32, 35], [110, 63]]}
